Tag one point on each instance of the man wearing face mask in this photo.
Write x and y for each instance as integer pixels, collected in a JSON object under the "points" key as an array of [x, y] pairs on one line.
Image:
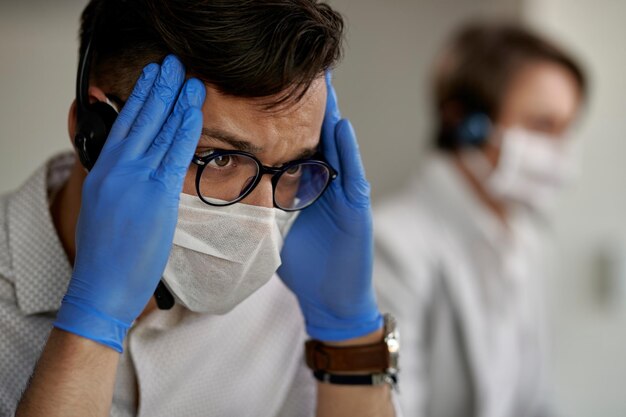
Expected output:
{"points": [[458, 252], [138, 276]]}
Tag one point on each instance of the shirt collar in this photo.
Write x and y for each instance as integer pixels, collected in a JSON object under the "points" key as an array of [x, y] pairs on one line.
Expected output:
{"points": [[40, 265]]}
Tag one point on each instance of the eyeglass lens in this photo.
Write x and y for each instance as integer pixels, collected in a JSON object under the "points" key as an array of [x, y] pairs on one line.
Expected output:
{"points": [[226, 178]]}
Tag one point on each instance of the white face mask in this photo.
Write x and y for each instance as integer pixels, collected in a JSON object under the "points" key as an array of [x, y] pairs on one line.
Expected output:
{"points": [[221, 255], [532, 169]]}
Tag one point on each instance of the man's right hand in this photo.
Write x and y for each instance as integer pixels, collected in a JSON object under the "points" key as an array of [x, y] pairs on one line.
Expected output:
{"points": [[130, 205]]}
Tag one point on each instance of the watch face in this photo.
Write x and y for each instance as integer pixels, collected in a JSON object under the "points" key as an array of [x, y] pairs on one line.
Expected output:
{"points": [[392, 340], [393, 346]]}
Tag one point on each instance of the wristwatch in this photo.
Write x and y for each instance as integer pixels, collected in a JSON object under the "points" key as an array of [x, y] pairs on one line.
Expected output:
{"points": [[375, 363]]}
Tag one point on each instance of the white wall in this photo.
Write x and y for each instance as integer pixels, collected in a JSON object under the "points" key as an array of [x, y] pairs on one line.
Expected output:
{"points": [[38, 44], [590, 336]]}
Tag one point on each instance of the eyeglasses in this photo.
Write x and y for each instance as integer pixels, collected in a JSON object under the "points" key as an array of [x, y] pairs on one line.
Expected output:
{"points": [[227, 177]]}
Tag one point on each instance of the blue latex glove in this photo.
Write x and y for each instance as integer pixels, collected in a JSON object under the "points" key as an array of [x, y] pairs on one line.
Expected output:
{"points": [[327, 257], [130, 205]]}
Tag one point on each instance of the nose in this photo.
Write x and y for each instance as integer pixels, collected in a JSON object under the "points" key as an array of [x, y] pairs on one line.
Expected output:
{"points": [[262, 195]]}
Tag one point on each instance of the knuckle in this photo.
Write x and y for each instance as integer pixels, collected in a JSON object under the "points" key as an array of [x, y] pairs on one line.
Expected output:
{"points": [[161, 141], [139, 93], [182, 103], [164, 90], [144, 119]]}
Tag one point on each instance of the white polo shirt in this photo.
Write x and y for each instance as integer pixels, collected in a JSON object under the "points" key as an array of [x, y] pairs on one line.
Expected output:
{"points": [[467, 293], [249, 362]]}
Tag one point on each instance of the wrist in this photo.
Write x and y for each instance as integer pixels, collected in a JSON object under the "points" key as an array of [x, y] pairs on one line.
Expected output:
{"points": [[369, 339], [368, 360], [87, 322], [330, 329], [373, 337], [73, 374], [76, 345]]}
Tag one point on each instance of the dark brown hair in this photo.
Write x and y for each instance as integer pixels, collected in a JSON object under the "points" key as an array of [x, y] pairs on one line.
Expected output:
{"points": [[473, 73], [245, 48]]}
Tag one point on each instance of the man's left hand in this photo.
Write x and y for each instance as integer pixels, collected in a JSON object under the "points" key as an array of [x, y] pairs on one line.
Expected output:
{"points": [[327, 257]]}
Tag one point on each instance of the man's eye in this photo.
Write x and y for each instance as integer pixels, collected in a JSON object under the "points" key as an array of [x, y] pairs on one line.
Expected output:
{"points": [[294, 170], [221, 161]]}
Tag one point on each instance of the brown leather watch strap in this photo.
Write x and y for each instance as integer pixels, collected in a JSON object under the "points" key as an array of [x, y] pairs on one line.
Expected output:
{"points": [[364, 358]]}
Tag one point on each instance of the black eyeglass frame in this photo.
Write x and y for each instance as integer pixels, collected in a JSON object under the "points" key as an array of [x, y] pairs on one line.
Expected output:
{"points": [[275, 172]]}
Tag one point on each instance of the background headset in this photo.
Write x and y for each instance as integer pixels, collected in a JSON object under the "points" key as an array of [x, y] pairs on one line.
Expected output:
{"points": [[94, 123], [473, 130], [464, 125]]}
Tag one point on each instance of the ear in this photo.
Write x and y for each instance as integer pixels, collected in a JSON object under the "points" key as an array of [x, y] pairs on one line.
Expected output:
{"points": [[95, 94], [72, 122], [452, 112]]}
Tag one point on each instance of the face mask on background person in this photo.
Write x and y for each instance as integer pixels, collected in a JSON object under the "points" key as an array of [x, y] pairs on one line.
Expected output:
{"points": [[531, 171], [221, 255]]}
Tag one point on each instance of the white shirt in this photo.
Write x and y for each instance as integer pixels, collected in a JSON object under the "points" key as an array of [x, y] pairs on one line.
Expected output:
{"points": [[467, 294], [249, 362]]}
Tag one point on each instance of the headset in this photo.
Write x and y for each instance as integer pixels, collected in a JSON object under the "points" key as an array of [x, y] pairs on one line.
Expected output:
{"points": [[473, 130], [95, 121], [465, 125]]}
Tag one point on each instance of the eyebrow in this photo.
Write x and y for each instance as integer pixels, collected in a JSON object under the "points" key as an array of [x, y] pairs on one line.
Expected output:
{"points": [[232, 140], [307, 153], [245, 146]]}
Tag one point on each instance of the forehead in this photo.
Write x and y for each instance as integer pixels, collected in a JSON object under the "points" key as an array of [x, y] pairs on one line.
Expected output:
{"points": [[544, 87], [277, 131]]}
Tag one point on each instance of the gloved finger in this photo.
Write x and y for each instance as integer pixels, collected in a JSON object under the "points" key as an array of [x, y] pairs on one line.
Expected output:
{"points": [[176, 162], [133, 105], [331, 118], [192, 95], [355, 185], [157, 108]]}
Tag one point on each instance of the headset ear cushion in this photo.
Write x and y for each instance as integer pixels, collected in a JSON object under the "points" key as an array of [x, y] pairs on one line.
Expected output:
{"points": [[94, 128], [474, 130], [105, 117]]}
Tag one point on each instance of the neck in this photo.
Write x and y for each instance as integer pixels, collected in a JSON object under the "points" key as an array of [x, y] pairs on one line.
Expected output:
{"points": [[65, 209], [497, 208]]}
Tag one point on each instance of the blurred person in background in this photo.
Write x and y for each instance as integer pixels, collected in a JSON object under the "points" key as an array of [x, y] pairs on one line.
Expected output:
{"points": [[458, 251]]}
